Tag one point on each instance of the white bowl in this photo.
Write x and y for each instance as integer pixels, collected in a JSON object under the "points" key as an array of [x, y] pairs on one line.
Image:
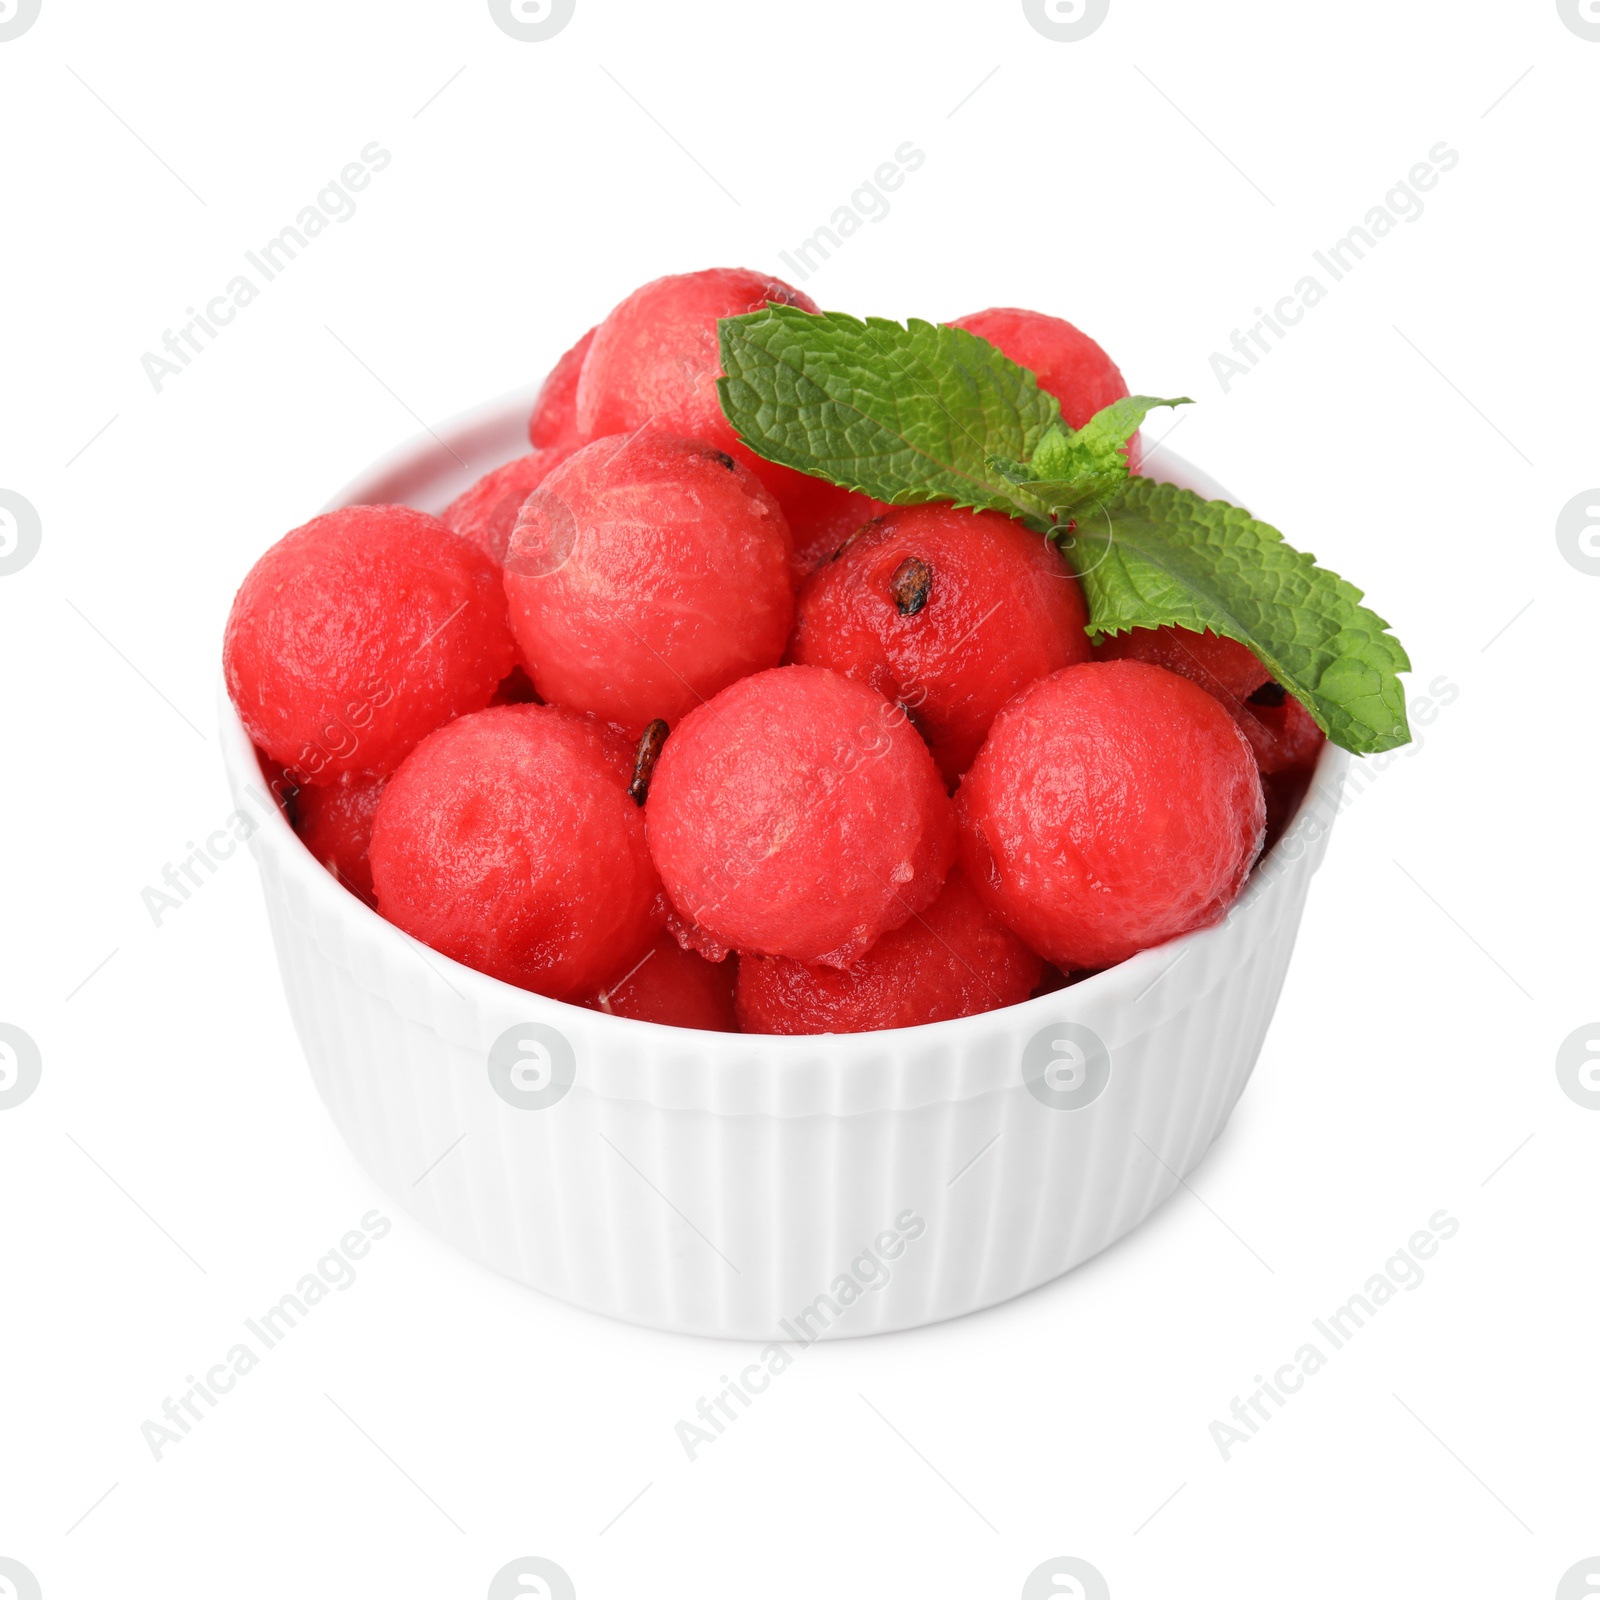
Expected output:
{"points": [[751, 1186]]}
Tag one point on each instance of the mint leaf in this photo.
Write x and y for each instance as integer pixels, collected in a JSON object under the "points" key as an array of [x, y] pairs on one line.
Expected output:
{"points": [[1015, 473], [1156, 555], [1070, 469], [904, 414], [916, 413]]}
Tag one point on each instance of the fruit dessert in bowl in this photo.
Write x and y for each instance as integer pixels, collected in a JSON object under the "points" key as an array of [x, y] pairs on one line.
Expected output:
{"points": [[817, 805]]}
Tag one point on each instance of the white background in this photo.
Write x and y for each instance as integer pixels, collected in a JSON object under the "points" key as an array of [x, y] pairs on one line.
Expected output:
{"points": [[1420, 431]]}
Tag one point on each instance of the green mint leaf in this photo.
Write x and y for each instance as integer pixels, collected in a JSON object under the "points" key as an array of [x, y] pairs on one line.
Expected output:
{"points": [[1100, 444], [904, 414], [1155, 555], [1073, 469], [1053, 457], [1014, 472]]}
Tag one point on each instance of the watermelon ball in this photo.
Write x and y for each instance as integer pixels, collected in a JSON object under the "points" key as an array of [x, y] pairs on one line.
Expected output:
{"points": [[1113, 806], [671, 985], [334, 821], [821, 518], [952, 960], [1067, 362], [655, 359], [798, 814], [1283, 734], [947, 612], [646, 573], [1221, 666], [554, 422], [358, 634], [1281, 731], [508, 842], [487, 512]]}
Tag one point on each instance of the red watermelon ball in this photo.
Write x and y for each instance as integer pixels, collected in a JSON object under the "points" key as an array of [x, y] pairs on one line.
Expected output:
{"points": [[554, 422], [946, 612], [821, 518], [334, 821], [508, 841], [798, 814], [671, 985], [1281, 731], [357, 635], [486, 513], [1113, 806], [656, 359], [953, 960], [1221, 666], [645, 574], [1283, 734]]}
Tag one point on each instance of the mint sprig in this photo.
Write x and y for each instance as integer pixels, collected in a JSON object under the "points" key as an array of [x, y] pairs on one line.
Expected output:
{"points": [[933, 413], [1072, 469], [902, 414]]}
